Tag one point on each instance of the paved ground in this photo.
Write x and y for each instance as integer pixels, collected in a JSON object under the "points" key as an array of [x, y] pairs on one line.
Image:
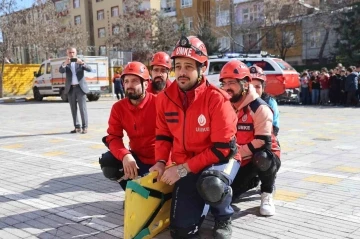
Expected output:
{"points": [[51, 185]]}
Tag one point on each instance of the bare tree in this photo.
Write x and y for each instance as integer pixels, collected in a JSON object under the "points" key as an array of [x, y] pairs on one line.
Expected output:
{"points": [[283, 24], [143, 31], [41, 32], [8, 35], [326, 19], [133, 30], [165, 34], [234, 28], [203, 30], [45, 33]]}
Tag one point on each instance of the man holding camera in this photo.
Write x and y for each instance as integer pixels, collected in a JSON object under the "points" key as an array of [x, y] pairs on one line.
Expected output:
{"points": [[76, 88]]}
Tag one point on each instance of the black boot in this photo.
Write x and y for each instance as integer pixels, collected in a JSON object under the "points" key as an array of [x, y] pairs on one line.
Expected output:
{"points": [[222, 229]]}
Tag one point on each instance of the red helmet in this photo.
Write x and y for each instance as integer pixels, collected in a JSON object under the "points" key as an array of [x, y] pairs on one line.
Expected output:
{"points": [[257, 73], [136, 68], [235, 69], [161, 59], [191, 47]]}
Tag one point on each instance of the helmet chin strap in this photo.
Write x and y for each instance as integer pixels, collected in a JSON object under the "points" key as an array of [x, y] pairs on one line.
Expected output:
{"points": [[242, 84], [142, 89], [199, 71], [199, 74]]}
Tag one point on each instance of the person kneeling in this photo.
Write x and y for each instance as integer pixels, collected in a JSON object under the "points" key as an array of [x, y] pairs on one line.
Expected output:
{"points": [[136, 115], [196, 123], [257, 144]]}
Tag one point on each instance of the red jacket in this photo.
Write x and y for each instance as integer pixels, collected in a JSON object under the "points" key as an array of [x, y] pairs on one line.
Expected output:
{"points": [[139, 124], [324, 82], [254, 128], [199, 135], [116, 76], [153, 91]]}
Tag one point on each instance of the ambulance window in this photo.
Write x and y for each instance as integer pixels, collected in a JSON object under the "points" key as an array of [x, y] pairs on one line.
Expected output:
{"points": [[42, 70], [48, 68], [266, 66], [215, 67], [284, 65]]}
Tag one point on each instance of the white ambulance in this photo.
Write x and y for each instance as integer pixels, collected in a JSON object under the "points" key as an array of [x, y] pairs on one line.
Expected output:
{"points": [[49, 81]]}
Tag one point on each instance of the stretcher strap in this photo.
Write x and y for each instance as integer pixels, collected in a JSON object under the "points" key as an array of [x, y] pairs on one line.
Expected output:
{"points": [[146, 192], [134, 186]]}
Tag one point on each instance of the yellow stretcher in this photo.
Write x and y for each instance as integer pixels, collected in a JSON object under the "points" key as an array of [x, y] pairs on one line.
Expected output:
{"points": [[147, 207]]}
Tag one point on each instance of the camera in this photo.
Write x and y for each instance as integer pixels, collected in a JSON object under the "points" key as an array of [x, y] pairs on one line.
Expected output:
{"points": [[73, 60]]}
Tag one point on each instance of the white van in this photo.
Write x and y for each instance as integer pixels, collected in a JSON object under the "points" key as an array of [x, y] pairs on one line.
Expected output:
{"points": [[49, 81]]}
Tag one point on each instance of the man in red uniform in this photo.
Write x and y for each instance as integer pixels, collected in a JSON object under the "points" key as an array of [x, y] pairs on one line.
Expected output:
{"points": [[160, 67], [257, 144], [196, 122], [136, 114]]}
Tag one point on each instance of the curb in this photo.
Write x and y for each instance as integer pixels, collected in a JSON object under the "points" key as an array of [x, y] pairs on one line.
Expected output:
{"points": [[15, 100], [26, 99]]}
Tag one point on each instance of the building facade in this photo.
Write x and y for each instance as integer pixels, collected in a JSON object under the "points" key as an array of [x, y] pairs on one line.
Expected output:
{"points": [[248, 21], [105, 15], [246, 26], [76, 12], [318, 38]]}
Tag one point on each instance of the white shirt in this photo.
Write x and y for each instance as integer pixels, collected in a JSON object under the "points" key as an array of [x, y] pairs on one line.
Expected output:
{"points": [[74, 80]]}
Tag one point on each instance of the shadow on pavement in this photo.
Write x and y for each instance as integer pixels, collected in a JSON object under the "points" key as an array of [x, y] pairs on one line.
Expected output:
{"points": [[250, 211], [247, 196], [90, 219], [95, 182]]}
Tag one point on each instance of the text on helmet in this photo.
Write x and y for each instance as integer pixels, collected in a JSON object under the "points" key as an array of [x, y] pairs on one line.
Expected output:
{"points": [[184, 51]]}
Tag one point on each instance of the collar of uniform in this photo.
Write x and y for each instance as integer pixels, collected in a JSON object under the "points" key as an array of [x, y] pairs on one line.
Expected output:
{"points": [[193, 93], [142, 103], [174, 92], [168, 83]]}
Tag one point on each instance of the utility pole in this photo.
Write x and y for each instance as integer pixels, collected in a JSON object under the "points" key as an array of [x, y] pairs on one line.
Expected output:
{"points": [[231, 10]]}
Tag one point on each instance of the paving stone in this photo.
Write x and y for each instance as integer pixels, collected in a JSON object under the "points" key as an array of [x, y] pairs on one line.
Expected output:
{"points": [[67, 196], [7, 235], [17, 232]]}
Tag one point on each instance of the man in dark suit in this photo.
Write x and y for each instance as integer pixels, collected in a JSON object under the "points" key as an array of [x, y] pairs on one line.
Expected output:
{"points": [[76, 88]]}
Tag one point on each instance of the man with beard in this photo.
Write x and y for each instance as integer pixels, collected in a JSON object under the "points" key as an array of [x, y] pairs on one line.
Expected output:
{"points": [[136, 114], [256, 141], [196, 122], [160, 67]]}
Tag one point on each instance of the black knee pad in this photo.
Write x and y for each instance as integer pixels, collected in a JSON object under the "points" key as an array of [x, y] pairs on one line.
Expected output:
{"points": [[108, 160], [110, 167], [263, 160], [184, 233], [111, 173], [213, 187]]}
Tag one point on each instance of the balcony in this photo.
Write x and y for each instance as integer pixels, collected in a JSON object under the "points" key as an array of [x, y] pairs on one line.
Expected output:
{"points": [[168, 11]]}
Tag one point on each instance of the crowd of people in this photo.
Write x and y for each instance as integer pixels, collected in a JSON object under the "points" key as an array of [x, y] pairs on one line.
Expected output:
{"points": [[337, 87]]}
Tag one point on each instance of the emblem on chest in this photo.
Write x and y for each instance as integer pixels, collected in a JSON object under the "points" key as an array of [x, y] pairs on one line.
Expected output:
{"points": [[202, 121]]}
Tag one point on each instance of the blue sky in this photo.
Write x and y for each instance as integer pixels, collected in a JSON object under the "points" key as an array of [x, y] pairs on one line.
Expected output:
{"points": [[22, 4]]}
